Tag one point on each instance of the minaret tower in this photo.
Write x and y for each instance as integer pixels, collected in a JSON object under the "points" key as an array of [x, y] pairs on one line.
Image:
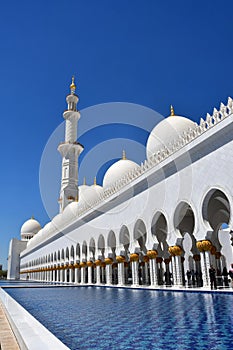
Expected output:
{"points": [[70, 151]]}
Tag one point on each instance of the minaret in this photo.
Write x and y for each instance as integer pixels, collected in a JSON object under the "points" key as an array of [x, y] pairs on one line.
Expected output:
{"points": [[70, 151]]}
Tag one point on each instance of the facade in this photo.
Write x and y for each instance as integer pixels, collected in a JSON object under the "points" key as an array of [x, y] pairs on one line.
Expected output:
{"points": [[149, 224]]}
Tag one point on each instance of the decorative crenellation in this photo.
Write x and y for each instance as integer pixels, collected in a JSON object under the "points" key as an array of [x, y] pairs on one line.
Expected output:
{"points": [[163, 153]]}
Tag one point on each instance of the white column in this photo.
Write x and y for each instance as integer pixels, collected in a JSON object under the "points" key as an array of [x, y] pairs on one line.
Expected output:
{"points": [[83, 273], [178, 270], [98, 271], [65, 279], [53, 275], [108, 274], [90, 275], [174, 273], [205, 268], [76, 275], [135, 277], [103, 274], [153, 272], [146, 273], [121, 274]]}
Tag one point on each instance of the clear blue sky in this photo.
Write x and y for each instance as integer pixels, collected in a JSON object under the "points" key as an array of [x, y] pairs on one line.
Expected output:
{"points": [[152, 53]]}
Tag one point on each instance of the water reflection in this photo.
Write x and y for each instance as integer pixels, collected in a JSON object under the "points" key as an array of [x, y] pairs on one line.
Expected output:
{"points": [[99, 318]]}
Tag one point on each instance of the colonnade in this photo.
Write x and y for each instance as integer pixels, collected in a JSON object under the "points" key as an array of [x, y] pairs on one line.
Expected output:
{"points": [[134, 269]]}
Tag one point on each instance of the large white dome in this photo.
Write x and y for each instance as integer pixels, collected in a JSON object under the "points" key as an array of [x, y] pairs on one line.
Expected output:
{"points": [[167, 131], [30, 226], [118, 170]]}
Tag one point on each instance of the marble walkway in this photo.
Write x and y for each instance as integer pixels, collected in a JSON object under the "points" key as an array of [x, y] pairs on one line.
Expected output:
{"points": [[7, 338]]}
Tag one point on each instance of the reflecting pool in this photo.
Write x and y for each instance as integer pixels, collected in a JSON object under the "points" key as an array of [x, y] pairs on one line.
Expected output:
{"points": [[109, 318]]}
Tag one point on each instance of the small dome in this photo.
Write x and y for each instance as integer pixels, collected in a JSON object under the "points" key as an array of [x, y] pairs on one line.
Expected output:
{"points": [[57, 222], [117, 171], [81, 191], [29, 229], [71, 211], [90, 194], [167, 131], [40, 236], [30, 226]]}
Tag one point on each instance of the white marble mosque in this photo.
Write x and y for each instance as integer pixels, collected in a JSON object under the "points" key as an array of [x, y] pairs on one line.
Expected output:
{"points": [[148, 224]]}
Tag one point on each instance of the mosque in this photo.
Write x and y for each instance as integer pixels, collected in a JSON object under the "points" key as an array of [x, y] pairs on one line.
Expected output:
{"points": [[148, 224]]}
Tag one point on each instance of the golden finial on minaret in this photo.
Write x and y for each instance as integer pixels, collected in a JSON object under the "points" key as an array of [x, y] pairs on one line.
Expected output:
{"points": [[72, 86], [123, 155], [95, 181], [84, 181], [172, 112], [32, 217]]}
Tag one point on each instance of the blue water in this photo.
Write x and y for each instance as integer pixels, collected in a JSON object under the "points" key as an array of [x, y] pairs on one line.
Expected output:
{"points": [[107, 318], [16, 283]]}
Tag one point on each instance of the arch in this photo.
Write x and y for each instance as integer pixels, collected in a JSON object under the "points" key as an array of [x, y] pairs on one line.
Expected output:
{"points": [[55, 256], [72, 252], [101, 242], [159, 230], [111, 240], [124, 236], [67, 253], [216, 208], [184, 220], [63, 254], [58, 255], [92, 246], [140, 233], [84, 248], [78, 250], [159, 226]]}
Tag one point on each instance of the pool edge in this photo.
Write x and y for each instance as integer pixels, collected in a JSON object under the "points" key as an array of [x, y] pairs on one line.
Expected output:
{"points": [[29, 332]]}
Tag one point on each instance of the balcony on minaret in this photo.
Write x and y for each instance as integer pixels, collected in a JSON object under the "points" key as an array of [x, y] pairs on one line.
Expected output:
{"points": [[65, 148]]}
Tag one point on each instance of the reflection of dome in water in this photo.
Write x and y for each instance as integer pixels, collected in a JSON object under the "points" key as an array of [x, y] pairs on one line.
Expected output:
{"points": [[167, 131]]}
